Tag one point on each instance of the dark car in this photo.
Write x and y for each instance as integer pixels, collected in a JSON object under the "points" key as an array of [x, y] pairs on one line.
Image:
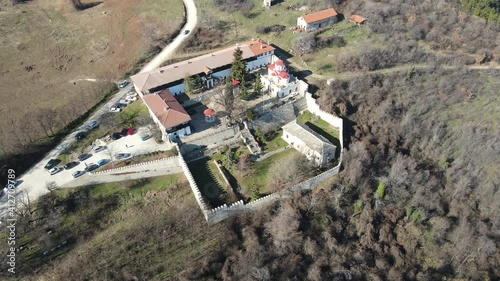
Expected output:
{"points": [[84, 156], [78, 173], [91, 167], [186, 32], [79, 135], [122, 156], [71, 165], [116, 136], [99, 148], [120, 105], [52, 163]]}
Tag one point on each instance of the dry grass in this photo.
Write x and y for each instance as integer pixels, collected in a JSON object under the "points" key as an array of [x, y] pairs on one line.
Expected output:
{"points": [[46, 47]]}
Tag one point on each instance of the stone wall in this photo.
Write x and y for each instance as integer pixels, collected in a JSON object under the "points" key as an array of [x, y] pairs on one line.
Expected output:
{"points": [[222, 212], [193, 185], [132, 166]]}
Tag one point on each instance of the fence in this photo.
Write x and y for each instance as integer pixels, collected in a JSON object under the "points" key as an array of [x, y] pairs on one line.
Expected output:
{"points": [[132, 166], [193, 185], [222, 212]]}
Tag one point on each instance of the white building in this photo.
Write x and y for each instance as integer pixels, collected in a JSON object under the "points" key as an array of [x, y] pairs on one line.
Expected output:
{"points": [[314, 146], [317, 20], [212, 68], [278, 82]]}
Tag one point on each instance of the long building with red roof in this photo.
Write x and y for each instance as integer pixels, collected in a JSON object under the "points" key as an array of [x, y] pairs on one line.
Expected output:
{"points": [[317, 20]]}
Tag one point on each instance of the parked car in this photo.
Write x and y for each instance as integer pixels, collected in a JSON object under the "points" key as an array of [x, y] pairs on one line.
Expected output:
{"points": [[99, 148], [115, 109], [121, 105], [131, 98], [84, 156], [52, 163], [131, 94], [71, 165], [127, 132], [116, 136], [122, 156], [92, 124], [12, 184], [102, 162], [186, 32], [146, 136], [79, 136], [54, 170], [124, 101], [77, 173], [123, 84], [91, 167]]}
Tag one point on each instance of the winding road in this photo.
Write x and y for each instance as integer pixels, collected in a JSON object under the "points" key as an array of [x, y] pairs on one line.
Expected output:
{"points": [[33, 183]]}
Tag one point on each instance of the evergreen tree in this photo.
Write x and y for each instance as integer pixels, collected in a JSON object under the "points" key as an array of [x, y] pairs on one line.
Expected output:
{"points": [[258, 85], [228, 101], [238, 66], [198, 84], [188, 85], [243, 91]]}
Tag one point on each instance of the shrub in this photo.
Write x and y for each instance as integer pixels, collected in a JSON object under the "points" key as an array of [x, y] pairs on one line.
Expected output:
{"points": [[380, 190]]}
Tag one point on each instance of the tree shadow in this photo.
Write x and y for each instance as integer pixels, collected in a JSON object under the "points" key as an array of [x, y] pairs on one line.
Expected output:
{"points": [[281, 53], [84, 6]]}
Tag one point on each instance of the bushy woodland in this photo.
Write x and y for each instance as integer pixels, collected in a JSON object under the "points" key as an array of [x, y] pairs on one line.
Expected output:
{"points": [[417, 198]]}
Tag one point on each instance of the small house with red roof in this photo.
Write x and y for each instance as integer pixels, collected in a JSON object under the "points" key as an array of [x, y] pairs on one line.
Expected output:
{"points": [[317, 20], [358, 20]]}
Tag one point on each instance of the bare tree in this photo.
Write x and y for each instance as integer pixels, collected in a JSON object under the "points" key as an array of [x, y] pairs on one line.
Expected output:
{"points": [[288, 171]]}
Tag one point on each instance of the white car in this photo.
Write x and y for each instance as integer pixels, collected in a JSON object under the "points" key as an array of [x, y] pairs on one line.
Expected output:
{"points": [[54, 170], [131, 94], [124, 101], [115, 109], [131, 98], [294, 94]]}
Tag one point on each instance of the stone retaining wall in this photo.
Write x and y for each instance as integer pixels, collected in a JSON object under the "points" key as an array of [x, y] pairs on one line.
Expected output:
{"points": [[132, 166]]}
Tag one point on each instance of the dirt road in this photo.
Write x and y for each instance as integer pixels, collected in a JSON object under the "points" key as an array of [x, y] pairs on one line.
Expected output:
{"points": [[191, 22]]}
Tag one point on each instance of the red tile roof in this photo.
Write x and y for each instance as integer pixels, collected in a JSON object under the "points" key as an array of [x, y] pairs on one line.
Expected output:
{"points": [[166, 108], [321, 15], [357, 18], [177, 71]]}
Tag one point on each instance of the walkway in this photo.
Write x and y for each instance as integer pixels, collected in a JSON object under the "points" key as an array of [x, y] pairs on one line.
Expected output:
{"points": [[137, 171]]}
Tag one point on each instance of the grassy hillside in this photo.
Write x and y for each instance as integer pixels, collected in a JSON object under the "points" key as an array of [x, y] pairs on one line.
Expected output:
{"points": [[48, 48], [147, 229]]}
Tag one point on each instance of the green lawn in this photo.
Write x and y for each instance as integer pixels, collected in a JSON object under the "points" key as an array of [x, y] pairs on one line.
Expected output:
{"points": [[275, 143], [136, 187], [322, 61], [258, 178], [210, 182]]}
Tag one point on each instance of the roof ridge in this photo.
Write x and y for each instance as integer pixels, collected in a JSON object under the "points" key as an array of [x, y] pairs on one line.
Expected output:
{"points": [[312, 132]]}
